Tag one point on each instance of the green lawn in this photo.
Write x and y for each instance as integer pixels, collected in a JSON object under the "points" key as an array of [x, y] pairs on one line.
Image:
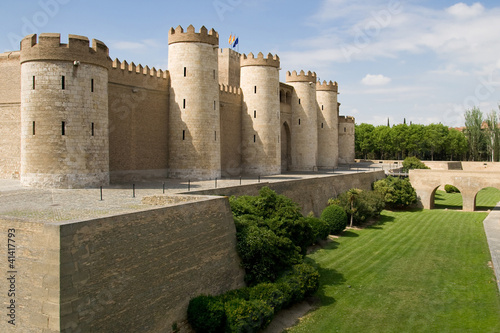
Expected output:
{"points": [[419, 271], [485, 199]]}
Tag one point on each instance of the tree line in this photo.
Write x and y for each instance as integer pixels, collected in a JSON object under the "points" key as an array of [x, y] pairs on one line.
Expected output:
{"points": [[478, 141]]}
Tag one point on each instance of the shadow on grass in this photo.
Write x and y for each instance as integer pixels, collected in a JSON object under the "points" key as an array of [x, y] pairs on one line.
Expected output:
{"points": [[328, 277], [348, 233], [379, 224]]}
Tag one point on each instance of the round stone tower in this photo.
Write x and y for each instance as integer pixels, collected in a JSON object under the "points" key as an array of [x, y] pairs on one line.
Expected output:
{"points": [[260, 122], [64, 112], [346, 139], [304, 131], [328, 134], [194, 119]]}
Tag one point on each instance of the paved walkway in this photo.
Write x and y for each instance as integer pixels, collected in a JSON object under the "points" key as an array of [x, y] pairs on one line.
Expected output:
{"points": [[492, 230]]}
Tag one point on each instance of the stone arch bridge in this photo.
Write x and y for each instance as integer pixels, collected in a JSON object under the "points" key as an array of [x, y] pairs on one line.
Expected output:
{"points": [[426, 182]]}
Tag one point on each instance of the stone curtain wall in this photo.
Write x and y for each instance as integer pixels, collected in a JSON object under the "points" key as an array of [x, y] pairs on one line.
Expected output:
{"points": [[311, 194], [10, 119], [137, 272]]}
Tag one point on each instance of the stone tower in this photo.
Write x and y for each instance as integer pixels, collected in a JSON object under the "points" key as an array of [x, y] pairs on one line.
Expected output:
{"points": [[260, 121], [304, 121], [194, 119], [346, 139], [64, 112], [328, 144]]}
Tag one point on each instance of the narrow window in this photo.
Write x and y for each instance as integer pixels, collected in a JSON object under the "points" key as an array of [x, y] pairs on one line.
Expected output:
{"points": [[92, 129], [299, 121], [215, 106], [299, 100], [254, 138], [63, 82], [214, 74], [33, 82], [183, 134], [344, 130], [91, 85], [322, 107], [321, 125], [255, 89], [184, 103], [255, 113], [215, 135], [63, 128], [33, 128]]}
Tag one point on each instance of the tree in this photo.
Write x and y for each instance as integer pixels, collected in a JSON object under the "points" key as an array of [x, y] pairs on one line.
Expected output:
{"points": [[435, 135], [492, 134], [473, 132], [352, 195], [364, 139], [456, 144], [397, 192]]}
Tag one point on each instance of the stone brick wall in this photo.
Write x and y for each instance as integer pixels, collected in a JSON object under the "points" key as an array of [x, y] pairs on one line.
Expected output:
{"points": [[138, 140], [37, 277], [230, 120], [229, 67], [10, 111], [311, 194], [346, 140], [328, 128]]}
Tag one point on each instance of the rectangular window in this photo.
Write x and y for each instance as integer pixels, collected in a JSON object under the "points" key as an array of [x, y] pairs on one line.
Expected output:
{"points": [[215, 108], [184, 103], [63, 128], [91, 85], [215, 135], [321, 125], [33, 82], [322, 107], [299, 121], [33, 128], [214, 74], [254, 138], [299, 100], [92, 129], [255, 89], [255, 113], [63, 82], [185, 71], [183, 134], [344, 129]]}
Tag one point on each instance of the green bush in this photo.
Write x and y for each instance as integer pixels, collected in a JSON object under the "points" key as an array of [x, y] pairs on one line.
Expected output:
{"points": [[367, 204], [300, 282], [247, 316], [336, 218], [206, 314], [451, 189], [397, 192], [410, 163], [264, 254], [269, 293], [321, 228]]}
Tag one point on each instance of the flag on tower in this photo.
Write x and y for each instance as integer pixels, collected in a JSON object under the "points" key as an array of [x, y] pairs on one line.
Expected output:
{"points": [[236, 42], [231, 39]]}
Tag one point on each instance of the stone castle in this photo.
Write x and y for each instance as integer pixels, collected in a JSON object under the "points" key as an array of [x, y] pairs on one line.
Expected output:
{"points": [[73, 118]]}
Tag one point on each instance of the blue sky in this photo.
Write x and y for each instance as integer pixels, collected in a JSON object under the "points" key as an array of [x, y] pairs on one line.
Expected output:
{"points": [[426, 61]]}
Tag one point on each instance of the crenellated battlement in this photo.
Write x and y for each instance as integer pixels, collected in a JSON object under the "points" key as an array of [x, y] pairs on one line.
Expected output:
{"points": [[346, 119], [48, 47], [251, 60], [229, 89], [178, 35], [301, 77], [139, 69], [125, 73], [331, 86]]}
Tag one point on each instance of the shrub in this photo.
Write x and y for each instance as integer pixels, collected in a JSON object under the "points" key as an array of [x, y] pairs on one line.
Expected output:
{"points": [[410, 163], [269, 293], [206, 314], [451, 189], [397, 192], [367, 204], [321, 228], [301, 281], [336, 218], [247, 316], [298, 230], [264, 254]]}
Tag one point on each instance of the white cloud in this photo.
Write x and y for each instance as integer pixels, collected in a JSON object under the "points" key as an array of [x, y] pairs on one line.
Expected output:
{"points": [[135, 46], [461, 10], [375, 80]]}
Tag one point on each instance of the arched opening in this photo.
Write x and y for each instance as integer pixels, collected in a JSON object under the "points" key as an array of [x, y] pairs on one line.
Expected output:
{"points": [[286, 149], [448, 197], [487, 198]]}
